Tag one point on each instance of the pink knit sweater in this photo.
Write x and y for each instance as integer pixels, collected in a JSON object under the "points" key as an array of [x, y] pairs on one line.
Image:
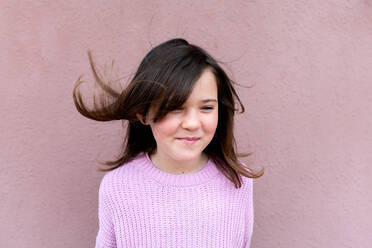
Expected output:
{"points": [[143, 206]]}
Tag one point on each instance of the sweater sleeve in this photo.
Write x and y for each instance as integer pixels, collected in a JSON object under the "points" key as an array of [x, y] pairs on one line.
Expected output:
{"points": [[106, 234], [249, 214]]}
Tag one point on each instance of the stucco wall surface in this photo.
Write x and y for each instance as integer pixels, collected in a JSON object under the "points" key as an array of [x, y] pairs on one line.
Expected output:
{"points": [[308, 115]]}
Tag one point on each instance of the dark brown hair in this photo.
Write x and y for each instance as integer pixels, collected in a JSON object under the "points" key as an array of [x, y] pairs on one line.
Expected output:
{"points": [[165, 79]]}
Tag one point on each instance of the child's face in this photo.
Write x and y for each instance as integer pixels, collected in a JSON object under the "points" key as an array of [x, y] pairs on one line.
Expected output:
{"points": [[183, 134]]}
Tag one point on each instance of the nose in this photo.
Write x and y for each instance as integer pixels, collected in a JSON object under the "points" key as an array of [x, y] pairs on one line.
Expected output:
{"points": [[191, 120]]}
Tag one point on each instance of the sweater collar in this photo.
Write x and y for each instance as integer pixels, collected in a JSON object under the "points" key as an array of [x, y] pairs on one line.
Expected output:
{"points": [[208, 172]]}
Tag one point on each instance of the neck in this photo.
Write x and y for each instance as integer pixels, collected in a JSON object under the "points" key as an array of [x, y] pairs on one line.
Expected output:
{"points": [[178, 167]]}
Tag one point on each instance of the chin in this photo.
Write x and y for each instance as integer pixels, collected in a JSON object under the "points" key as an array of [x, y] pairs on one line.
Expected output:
{"points": [[187, 156]]}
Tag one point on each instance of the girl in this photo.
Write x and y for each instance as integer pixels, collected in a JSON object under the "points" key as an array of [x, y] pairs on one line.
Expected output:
{"points": [[178, 182]]}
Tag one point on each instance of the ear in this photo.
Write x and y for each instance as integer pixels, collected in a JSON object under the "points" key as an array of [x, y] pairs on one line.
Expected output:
{"points": [[142, 119]]}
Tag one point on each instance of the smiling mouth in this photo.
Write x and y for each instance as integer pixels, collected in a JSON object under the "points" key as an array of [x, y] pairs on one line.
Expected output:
{"points": [[188, 140]]}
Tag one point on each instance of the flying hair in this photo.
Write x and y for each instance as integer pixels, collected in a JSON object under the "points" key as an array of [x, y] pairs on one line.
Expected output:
{"points": [[164, 80]]}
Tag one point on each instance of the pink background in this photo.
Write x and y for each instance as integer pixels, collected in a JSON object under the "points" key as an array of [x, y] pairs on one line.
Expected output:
{"points": [[308, 117]]}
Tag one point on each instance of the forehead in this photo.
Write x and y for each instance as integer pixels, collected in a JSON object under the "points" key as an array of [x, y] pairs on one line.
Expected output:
{"points": [[205, 87], [186, 93]]}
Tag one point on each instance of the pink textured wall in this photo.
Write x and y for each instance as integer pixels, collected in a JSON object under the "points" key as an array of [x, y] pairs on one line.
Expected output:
{"points": [[308, 118]]}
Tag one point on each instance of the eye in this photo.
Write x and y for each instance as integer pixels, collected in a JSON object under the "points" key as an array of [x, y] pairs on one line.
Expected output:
{"points": [[207, 108], [177, 110]]}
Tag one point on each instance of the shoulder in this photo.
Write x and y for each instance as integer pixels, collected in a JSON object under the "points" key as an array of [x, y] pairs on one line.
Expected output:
{"points": [[125, 174], [247, 184]]}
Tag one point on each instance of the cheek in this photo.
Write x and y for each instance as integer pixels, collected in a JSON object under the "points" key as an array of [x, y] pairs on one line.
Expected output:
{"points": [[210, 124], [163, 129]]}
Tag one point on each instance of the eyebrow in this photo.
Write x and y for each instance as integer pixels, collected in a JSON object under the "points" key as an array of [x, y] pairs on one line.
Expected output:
{"points": [[208, 100]]}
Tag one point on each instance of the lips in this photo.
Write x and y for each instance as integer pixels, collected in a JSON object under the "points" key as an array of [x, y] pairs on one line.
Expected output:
{"points": [[189, 140]]}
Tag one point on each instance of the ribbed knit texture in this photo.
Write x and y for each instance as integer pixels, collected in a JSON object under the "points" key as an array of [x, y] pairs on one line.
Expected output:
{"points": [[143, 206]]}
